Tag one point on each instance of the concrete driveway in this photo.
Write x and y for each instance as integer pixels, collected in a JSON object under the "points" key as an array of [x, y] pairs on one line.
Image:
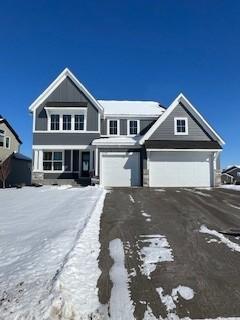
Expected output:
{"points": [[173, 268]]}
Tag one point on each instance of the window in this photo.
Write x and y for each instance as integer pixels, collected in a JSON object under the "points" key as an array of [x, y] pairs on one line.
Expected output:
{"points": [[7, 142], [1, 137], [52, 161], [55, 121], [113, 127], [79, 122], [67, 119], [133, 127], [238, 174], [181, 126]]}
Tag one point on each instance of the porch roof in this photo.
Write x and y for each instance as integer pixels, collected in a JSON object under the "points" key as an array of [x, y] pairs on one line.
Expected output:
{"points": [[117, 141]]}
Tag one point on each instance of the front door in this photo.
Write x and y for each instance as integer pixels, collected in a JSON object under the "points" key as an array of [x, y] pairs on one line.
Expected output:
{"points": [[85, 164]]}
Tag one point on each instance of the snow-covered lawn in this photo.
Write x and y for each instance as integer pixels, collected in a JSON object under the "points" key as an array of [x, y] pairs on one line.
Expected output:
{"points": [[48, 239], [231, 187]]}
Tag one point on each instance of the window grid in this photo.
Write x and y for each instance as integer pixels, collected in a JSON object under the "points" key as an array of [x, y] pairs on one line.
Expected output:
{"points": [[133, 127], [181, 125], [52, 161], [113, 127], [55, 121], [67, 122], [79, 122]]}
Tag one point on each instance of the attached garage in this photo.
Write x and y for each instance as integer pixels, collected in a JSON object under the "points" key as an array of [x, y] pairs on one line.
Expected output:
{"points": [[180, 169], [120, 169]]}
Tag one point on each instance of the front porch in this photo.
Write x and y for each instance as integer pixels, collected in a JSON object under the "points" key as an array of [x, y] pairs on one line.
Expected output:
{"points": [[63, 166]]}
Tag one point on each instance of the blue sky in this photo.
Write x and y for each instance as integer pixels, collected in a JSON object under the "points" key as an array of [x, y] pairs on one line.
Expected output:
{"points": [[150, 49]]}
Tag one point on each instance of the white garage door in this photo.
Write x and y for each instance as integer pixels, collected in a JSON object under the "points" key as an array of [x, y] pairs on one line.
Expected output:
{"points": [[180, 169], [120, 169]]}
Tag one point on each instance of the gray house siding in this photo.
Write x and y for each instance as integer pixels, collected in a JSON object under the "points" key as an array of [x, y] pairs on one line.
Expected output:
{"points": [[145, 124], [195, 130], [61, 138], [67, 92]]}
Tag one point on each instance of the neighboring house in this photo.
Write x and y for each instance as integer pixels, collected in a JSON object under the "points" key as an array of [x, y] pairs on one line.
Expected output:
{"points": [[9, 148], [124, 143], [231, 175]]}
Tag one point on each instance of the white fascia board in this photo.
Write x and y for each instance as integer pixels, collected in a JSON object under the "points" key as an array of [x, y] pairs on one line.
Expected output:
{"points": [[63, 75], [187, 150], [173, 105], [62, 147], [135, 116]]}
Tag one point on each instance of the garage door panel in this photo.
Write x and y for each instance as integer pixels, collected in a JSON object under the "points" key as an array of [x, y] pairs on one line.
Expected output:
{"points": [[180, 169], [120, 169]]}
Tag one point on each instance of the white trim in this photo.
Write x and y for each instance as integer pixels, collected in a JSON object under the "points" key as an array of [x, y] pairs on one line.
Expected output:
{"points": [[126, 116], [52, 162], [65, 147], [187, 150], [128, 127], [62, 76], [175, 126], [96, 162], [118, 127], [175, 103], [65, 131]]}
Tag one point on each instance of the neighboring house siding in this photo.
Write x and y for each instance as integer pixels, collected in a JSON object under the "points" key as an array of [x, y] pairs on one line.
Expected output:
{"points": [[14, 143], [235, 173], [145, 124], [67, 92], [60, 138], [20, 172], [166, 130]]}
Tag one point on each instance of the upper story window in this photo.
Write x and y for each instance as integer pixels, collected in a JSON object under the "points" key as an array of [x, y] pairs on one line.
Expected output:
{"points": [[133, 127], [180, 126], [55, 122], [113, 127], [67, 122], [79, 122]]}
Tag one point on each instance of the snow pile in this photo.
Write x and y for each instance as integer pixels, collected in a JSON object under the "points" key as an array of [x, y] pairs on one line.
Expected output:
{"points": [[40, 233], [232, 245], [121, 306], [198, 192], [75, 289], [156, 250], [231, 187]]}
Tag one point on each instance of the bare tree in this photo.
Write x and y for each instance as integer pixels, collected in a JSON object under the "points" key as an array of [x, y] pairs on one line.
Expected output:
{"points": [[5, 169]]}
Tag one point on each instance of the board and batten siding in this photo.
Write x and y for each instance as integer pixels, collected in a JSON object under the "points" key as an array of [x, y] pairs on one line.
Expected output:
{"points": [[165, 131], [67, 92]]}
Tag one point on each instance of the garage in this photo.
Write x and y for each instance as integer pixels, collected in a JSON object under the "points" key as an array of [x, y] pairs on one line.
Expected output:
{"points": [[180, 169], [120, 169]]}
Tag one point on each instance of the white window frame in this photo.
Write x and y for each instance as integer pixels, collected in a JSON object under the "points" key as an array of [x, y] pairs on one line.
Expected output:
{"points": [[52, 161], [9, 142], [71, 112], [84, 124], [50, 122], [128, 127], [175, 126], [118, 127], [68, 115]]}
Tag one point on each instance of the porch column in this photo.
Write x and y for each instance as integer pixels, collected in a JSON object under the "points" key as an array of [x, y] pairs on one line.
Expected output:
{"points": [[35, 163], [40, 160], [96, 162]]}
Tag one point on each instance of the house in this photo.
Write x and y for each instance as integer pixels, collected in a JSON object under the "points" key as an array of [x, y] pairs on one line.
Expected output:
{"points": [[231, 175], [10, 148], [123, 143]]}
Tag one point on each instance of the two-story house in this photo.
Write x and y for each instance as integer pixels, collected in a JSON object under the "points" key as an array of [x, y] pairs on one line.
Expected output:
{"points": [[124, 143], [10, 143]]}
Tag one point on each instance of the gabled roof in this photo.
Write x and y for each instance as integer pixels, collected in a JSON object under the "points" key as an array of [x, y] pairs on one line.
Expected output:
{"points": [[231, 168], [3, 120], [180, 99], [66, 73], [131, 108]]}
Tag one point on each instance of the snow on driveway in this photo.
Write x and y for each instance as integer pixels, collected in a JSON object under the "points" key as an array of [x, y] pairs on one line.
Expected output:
{"points": [[40, 236]]}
